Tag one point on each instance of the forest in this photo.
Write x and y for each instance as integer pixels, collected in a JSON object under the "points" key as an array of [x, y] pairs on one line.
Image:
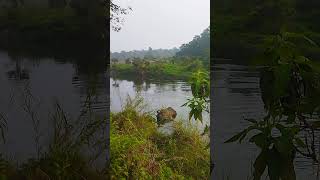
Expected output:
{"points": [[180, 64], [239, 28], [52, 25]]}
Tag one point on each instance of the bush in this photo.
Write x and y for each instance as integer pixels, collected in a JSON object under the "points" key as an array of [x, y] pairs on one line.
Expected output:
{"points": [[140, 151]]}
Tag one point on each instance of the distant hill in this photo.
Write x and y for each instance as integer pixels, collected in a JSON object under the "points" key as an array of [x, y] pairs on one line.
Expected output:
{"points": [[198, 47], [150, 53]]}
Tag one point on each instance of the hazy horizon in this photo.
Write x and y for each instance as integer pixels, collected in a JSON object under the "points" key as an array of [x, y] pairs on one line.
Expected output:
{"points": [[160, 24]]}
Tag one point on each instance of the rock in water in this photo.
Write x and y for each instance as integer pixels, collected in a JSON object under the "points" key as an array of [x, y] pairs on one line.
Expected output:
{"points": [[166, 115]]}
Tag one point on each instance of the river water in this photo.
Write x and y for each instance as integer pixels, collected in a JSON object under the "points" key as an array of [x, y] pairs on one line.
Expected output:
{"points": [[237, 96], [68, 81], [48, 80], [156, 95]]}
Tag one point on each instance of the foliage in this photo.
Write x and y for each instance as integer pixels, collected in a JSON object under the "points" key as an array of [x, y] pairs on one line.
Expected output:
{"points": [[241, 26], [116, 12], [277, 150], [140, 151], [171, 68], [198, 47], [42, 26], [290, 87], [143, 54], [200, 86], [66, 154]]}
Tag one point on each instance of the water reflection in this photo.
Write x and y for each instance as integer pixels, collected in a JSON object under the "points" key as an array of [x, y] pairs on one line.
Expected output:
{"points": [[157, 94], [67, 80], [18, 71], [237, 96]]}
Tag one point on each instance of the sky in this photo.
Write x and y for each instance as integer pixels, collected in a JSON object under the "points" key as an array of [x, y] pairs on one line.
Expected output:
{"points": [[160, 24]]}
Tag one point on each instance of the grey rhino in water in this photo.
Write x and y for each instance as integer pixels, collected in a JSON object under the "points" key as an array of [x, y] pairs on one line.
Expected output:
{"points": [[166, 115]]}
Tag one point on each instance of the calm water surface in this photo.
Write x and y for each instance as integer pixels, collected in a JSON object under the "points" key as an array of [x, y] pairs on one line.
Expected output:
{"points": [[156, 94], [237, 96], [64, 80]]}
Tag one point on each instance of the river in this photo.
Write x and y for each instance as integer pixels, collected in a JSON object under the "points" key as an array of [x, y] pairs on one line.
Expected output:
{"points": [[156, 95], [36, 83], [237, 96]]}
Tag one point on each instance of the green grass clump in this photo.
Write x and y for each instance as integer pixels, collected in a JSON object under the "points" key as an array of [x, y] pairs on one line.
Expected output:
{"points": [[66, 156], [140, 151]]}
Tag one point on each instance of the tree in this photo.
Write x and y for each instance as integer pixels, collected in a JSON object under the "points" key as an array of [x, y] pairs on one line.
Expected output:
{"points": [[116, 13], [198, 47]]}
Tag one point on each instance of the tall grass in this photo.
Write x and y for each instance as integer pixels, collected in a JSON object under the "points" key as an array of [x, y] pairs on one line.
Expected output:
{"points": [[140, 151], [74, 146]]}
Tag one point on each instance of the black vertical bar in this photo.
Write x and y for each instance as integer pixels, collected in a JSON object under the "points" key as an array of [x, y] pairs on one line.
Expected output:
{"points": [[211, 91]]}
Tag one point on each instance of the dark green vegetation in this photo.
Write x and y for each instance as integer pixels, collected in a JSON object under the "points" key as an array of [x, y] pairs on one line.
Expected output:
{"points": [[149, 54], [199, 47], [276, 35], [281, 36], [164, 64], [290, 92], [56, 27], [140, 151], [68, 32], [200, 86], [240, 27], [65, 155], [173, 68]]}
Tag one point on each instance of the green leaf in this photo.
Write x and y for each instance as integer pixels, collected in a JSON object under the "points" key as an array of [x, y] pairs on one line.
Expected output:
{"points": [[260, 165], [252, 120], [260, 140], [237, 136], [284, 145], [300, 143], [282, 77]]}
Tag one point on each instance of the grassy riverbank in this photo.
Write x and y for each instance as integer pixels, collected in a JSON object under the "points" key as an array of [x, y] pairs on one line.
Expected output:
{"points": [[140, 151], [169, 70], [137, 150]]}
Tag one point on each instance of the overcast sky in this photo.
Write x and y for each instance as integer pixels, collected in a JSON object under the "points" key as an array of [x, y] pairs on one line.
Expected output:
{"points": [[160, 24]]}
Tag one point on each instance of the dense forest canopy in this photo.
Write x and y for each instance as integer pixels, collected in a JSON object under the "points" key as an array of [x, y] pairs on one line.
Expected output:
{"points": [[241, 26], [149, 54], [198, 47]]}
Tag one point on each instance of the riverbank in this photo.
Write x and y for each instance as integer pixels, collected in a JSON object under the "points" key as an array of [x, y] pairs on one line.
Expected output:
{"points": [[158, 69], [51, 28], [140, 151]]}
